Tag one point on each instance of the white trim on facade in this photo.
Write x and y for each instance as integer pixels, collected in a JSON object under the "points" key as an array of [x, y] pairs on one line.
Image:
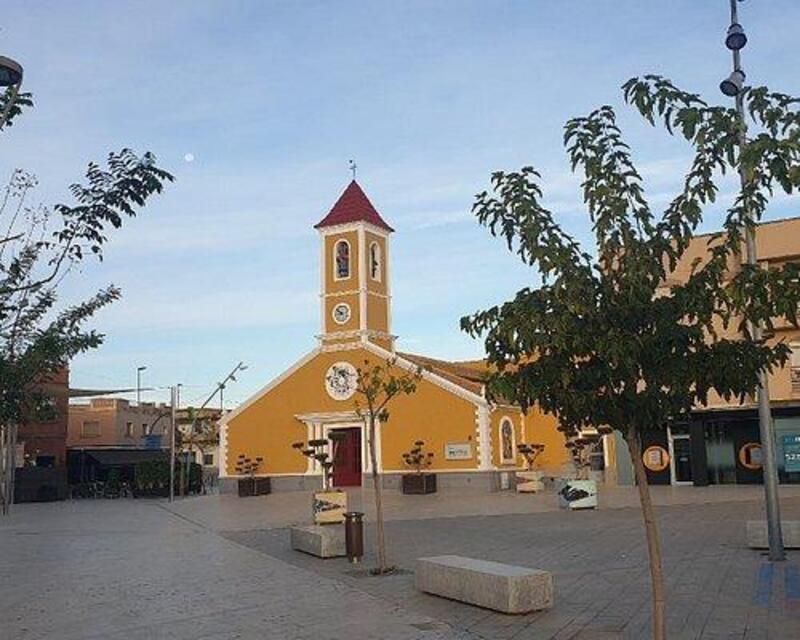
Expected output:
{"points": [[362, 280], [484, 437], [341, 346], [351, 226], [323, 320], [223, 450]]}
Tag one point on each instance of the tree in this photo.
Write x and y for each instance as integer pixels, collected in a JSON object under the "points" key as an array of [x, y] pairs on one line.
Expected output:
{"points": [[609, 339], [376, 386], [39, 247]]}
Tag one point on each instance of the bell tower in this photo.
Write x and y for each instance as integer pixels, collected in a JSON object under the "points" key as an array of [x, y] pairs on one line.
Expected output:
{"points": [[355, 294]]}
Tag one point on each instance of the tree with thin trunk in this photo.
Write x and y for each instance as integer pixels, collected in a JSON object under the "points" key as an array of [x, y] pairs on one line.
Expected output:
{"points": [[376, 386], [40, 246], [616, 337]]}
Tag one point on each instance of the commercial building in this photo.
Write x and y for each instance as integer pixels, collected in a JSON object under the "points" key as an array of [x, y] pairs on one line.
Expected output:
{"points": [[112, 433], [720, 443]]}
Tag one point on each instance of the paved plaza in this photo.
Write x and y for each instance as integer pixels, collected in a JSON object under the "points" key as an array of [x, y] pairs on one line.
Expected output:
{"points": [[221, 567]]}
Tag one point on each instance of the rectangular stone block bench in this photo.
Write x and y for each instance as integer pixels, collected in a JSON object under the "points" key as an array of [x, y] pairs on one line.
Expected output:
{"points": [[757, 534], [491, 585], [323, 541]]}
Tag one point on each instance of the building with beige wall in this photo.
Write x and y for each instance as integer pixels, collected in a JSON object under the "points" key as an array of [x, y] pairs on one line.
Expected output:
{"points": [[720, 444], [115, 422]]}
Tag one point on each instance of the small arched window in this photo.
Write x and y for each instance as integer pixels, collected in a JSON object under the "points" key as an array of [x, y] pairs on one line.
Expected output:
{"points": [[507, 441], [341, 261], [375, 261]]}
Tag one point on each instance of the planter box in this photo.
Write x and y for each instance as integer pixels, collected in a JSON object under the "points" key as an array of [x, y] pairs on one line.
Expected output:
{"points": [[577, 494], [248, 487], [329, 507], [419, 483], [529, 481]]}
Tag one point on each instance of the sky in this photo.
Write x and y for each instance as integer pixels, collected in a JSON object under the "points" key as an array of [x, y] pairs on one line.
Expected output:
{"points": [[257, 106]]}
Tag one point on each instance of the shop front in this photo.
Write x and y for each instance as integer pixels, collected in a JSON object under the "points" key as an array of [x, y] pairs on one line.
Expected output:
{"points": [[718, 447]]}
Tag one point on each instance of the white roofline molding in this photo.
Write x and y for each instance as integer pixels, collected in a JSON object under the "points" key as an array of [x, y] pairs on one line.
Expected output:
{"points": [[268, 387], [428, 375]]}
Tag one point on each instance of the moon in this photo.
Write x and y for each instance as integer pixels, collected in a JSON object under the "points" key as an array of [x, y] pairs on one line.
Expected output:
{"points": [[189, 157]]}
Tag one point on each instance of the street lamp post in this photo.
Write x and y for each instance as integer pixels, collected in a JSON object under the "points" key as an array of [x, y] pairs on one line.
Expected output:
{"points": [[10, 81], [139, 385], [733, 86]]}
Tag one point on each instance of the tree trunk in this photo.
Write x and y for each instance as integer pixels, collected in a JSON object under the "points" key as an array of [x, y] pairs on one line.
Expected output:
{"points": [[379, 534], [651, 532]]}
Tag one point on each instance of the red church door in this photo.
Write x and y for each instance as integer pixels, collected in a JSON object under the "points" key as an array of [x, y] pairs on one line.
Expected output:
{"points": [[347, 459]]}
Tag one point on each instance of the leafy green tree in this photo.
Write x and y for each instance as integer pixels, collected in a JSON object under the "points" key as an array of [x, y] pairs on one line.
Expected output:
{"points": [[377, 385], [39, 247], [608, 339]]}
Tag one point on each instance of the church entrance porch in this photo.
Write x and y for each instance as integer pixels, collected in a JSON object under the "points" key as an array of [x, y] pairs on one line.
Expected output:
{"points": [[347, 458]]}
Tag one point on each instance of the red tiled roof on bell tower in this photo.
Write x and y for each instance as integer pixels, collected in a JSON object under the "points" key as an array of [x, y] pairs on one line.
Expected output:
{"points": [[353, 206]]}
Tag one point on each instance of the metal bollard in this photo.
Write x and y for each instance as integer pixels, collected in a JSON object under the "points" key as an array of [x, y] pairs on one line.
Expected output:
{"points": [[354, 535]]}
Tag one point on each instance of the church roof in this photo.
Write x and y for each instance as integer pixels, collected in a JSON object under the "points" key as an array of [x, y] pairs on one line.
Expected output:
{"points": [[353, 206], [467, 375]]}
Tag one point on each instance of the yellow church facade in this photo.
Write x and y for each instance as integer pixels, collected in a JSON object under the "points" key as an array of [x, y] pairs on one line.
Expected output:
{"points": [[471, 439]]}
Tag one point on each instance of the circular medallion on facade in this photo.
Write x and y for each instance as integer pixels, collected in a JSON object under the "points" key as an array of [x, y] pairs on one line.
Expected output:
{"points": [[341, 313], [340, 381], [750, 456], [655, 458]]}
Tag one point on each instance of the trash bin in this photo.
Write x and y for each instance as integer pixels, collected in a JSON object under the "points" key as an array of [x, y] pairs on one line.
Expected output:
{"points": [[354, 535]]}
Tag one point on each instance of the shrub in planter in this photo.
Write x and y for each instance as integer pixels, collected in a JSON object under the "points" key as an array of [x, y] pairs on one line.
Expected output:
{"points": [[529, 480], [251, 485], [419, 460], [581, 492], [329, 505]]}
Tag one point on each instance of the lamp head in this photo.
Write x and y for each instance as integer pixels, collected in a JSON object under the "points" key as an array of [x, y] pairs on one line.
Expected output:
{"points": [[732, 85], [10, 72], [736, 37]]}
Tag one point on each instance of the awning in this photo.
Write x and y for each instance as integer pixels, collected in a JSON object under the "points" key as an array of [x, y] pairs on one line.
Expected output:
{"points": [[121, 457]]}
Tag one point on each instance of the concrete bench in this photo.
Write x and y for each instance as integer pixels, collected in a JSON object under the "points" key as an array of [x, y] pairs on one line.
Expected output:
{"points": [[491, 585], [323, 541], [757, 534]]}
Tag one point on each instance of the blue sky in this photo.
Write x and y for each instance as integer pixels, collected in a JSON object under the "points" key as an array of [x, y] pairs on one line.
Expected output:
{"points": [[273, 98]]}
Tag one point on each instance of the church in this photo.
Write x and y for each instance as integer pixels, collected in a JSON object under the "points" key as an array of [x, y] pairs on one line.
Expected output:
{"points": [[472, 440]]}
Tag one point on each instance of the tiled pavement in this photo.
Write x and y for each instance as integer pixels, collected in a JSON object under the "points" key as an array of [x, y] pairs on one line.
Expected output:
{"points": [[717, 588], [134, 569], [131, 570]]}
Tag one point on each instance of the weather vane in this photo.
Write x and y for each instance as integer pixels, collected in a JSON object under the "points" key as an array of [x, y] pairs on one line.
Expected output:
{"points": [[353, 167]]}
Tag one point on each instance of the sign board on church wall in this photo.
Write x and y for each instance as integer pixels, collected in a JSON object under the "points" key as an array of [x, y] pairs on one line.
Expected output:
{"points": [[458, 451]]}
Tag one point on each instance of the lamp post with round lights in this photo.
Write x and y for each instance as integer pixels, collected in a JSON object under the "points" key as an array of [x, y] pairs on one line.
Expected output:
{"points": [[10, 82], [733, 86]]}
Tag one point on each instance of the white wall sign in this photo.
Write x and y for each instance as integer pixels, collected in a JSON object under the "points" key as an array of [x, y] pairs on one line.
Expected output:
{"points": [[458, 451]]}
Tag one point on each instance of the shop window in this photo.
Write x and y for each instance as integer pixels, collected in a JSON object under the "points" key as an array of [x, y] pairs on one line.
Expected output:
{"points": [[208, 459], [146, 430]]}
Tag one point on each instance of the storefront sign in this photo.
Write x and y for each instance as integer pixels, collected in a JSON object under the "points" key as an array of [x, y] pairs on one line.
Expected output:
{"points": [[750, 456], [791, 453], [458, 451], [655, 458]]}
